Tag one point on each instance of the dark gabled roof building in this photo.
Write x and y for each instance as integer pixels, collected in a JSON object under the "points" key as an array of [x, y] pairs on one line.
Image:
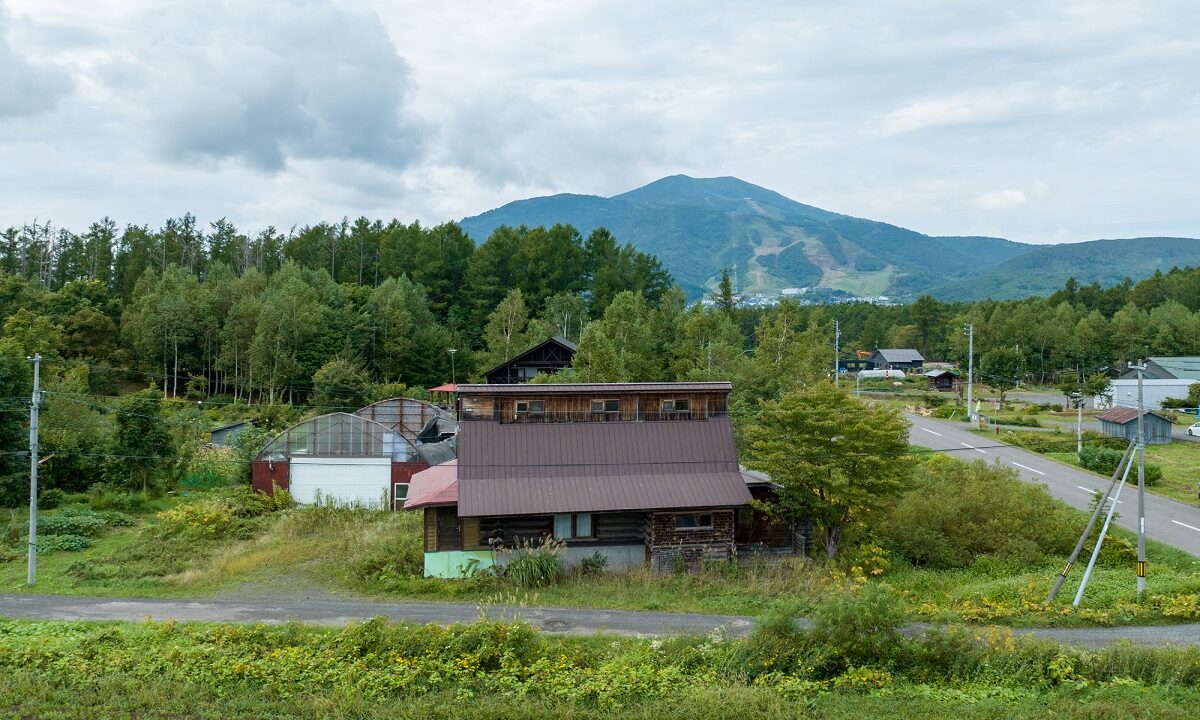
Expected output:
{"points": [[641, 472], [897, 359], [549, 356]]}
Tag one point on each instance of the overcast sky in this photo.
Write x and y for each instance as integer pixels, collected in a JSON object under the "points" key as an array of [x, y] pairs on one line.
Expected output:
{"points": [[1036, 121]]}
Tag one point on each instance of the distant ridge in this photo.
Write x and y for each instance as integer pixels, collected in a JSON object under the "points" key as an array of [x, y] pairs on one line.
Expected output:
{"points": [[697, 226]]}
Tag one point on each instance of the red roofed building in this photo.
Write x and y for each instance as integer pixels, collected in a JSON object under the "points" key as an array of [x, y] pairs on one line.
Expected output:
{"points": [[640, 472]]}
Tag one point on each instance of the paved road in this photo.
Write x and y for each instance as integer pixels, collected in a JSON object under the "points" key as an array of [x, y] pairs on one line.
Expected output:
{"points": [[1167, 521], [554, 620], [337, 612]]}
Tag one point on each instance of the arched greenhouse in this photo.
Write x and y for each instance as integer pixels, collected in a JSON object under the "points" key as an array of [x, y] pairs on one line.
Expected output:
{"points": [[339, 458]]}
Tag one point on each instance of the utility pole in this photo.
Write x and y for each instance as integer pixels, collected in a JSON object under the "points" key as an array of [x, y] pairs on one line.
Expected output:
{"points": [[1079, 425], [1141, 450], [453, 376], [837, 337], [31, 576], [970, 370], [1087, 532]]}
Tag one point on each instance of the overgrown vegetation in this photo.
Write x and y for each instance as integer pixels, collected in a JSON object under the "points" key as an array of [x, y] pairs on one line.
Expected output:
{"points": [[967, 542], [852, 654]]}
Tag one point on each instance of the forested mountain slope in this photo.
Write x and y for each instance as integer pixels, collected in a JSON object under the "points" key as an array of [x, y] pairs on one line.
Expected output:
{"points": [[699, 226], [1042, 270]]}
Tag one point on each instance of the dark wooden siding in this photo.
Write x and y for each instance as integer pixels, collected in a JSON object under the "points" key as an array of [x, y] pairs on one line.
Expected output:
{"points": [[510, 530], [431, 529], [627, 528], [449, 529]]}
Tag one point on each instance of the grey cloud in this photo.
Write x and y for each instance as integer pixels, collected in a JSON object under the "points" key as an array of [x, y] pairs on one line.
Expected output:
{"points": [[27, 88], [262, 82]]}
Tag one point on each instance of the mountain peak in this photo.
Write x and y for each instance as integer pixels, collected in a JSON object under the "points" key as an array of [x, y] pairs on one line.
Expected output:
{"points": [[699, 226]]}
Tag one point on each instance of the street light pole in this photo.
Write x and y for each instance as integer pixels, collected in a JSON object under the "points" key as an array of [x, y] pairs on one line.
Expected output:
{"points": [[453, 377]]}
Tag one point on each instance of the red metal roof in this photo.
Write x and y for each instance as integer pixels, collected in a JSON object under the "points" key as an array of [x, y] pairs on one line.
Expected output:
{"points": [[574, 388], [590, 467], [448, 387], [437, 485]]}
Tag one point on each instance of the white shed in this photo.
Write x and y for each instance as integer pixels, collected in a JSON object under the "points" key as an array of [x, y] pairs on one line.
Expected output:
{"points": [[1125, 392]]}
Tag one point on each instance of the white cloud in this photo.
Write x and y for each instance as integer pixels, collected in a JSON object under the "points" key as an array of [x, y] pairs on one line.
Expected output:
{"points": [[1002, 199], [290, 112], [26, 87], [264, 82]]}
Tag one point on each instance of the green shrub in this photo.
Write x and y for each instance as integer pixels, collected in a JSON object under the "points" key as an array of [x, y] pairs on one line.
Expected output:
{"points": [[958, 512], [105, 496], [68, 543], [535, 565], [84, 524], [1104, 460], [213, 467], [945, 412], [775, 645], [87, 570], [860, 628], [51, 498], [593, 564]]}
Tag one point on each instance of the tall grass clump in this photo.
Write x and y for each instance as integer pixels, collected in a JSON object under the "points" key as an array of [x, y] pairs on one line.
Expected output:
{"points": [[534, 565]]}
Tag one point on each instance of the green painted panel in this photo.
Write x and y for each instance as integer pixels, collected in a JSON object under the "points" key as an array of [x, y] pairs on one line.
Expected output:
{"points": [[457, 563]]}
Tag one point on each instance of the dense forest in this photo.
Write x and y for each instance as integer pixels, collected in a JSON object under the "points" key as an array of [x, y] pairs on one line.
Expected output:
{"points": [[225, 325]]}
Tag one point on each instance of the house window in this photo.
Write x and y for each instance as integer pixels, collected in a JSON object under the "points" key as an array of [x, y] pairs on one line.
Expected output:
{"points": [[577, 525], [606, 406], [531, 407], [693, 521], [676, 405], [401, 491], [526, 373]]}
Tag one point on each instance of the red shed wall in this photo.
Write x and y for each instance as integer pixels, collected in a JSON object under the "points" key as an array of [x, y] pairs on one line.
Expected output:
{"points": [[266, 476], [402, 472]]}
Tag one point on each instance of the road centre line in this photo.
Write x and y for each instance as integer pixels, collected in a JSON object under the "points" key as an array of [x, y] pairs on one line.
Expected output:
{"points": [[1094, 491], [973, 448], [1026, 467], [1189, 527], [932, 432]]}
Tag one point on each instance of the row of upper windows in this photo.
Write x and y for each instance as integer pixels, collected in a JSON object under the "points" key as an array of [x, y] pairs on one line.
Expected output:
{"points": [[538, 407]]}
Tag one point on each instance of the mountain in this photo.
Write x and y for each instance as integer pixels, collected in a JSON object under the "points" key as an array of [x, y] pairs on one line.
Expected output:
{"points": [[698, 226], [1043, 269]]}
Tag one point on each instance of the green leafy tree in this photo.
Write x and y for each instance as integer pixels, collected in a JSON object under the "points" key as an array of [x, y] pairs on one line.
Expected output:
{"points": [[289, 320], [142, 447], [341, 383], [620, 346], [838, 461], [505, 330], [1003, 369]]}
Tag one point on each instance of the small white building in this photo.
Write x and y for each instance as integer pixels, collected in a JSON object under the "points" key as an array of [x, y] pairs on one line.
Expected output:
{"points": [[1125, 393]]}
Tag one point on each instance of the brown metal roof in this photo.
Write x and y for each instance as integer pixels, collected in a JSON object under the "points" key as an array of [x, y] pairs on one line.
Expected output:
{"points": [[590, 467], [1121, 415], [579, 388], [600, 493]]}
